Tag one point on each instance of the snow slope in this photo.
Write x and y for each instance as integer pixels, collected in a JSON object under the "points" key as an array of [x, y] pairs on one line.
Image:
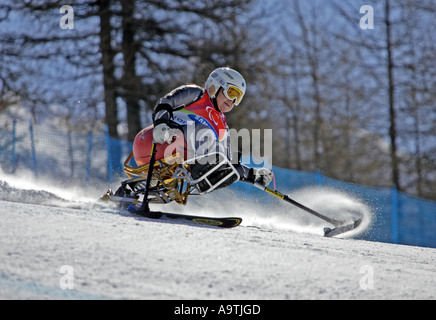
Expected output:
{"points": [[112, 255]]}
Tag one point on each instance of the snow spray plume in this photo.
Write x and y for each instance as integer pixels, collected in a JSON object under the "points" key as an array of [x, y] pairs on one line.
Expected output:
{"points": [[24, 187], [267, 212]]}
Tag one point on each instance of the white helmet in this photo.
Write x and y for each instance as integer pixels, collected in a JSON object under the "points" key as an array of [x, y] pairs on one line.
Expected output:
{"points": [[232, 82]]}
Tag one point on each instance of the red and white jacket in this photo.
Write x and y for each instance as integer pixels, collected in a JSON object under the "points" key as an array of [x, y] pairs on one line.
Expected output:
{"points": [[191, 105]]}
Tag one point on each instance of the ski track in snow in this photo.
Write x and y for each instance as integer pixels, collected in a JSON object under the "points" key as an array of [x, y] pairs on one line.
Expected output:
{"points": [[271, 256]]}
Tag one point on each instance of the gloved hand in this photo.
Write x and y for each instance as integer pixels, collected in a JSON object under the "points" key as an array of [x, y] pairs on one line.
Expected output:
{"points": [[263, 176], [163, 133]]}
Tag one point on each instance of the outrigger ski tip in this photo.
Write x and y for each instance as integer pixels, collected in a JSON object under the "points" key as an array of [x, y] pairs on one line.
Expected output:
{"points": [[331, 232]]}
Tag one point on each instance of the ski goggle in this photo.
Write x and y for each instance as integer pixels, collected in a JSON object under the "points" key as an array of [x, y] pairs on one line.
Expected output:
{"points": [[234, 94]]}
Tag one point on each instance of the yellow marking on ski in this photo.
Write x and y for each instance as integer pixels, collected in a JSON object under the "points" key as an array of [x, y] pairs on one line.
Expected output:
{"points": [[208, 222]]}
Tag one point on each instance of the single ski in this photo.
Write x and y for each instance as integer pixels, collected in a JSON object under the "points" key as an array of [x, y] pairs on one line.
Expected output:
{"points": [[331, 232], [225, 222]]}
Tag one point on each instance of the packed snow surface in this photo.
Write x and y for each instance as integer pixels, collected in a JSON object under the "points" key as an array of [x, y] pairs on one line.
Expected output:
{"points": [[61, 244]]}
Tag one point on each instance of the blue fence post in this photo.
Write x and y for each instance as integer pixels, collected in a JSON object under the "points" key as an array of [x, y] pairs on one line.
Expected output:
{"points": [[394, 217], [109, 155], [88, 158], [14, 138], [32, 143]]}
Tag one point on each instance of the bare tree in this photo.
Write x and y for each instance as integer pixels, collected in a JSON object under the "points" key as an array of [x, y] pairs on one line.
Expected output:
{"points": [[391, 95], [130, 83], [107, 62], [416, 95]]}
